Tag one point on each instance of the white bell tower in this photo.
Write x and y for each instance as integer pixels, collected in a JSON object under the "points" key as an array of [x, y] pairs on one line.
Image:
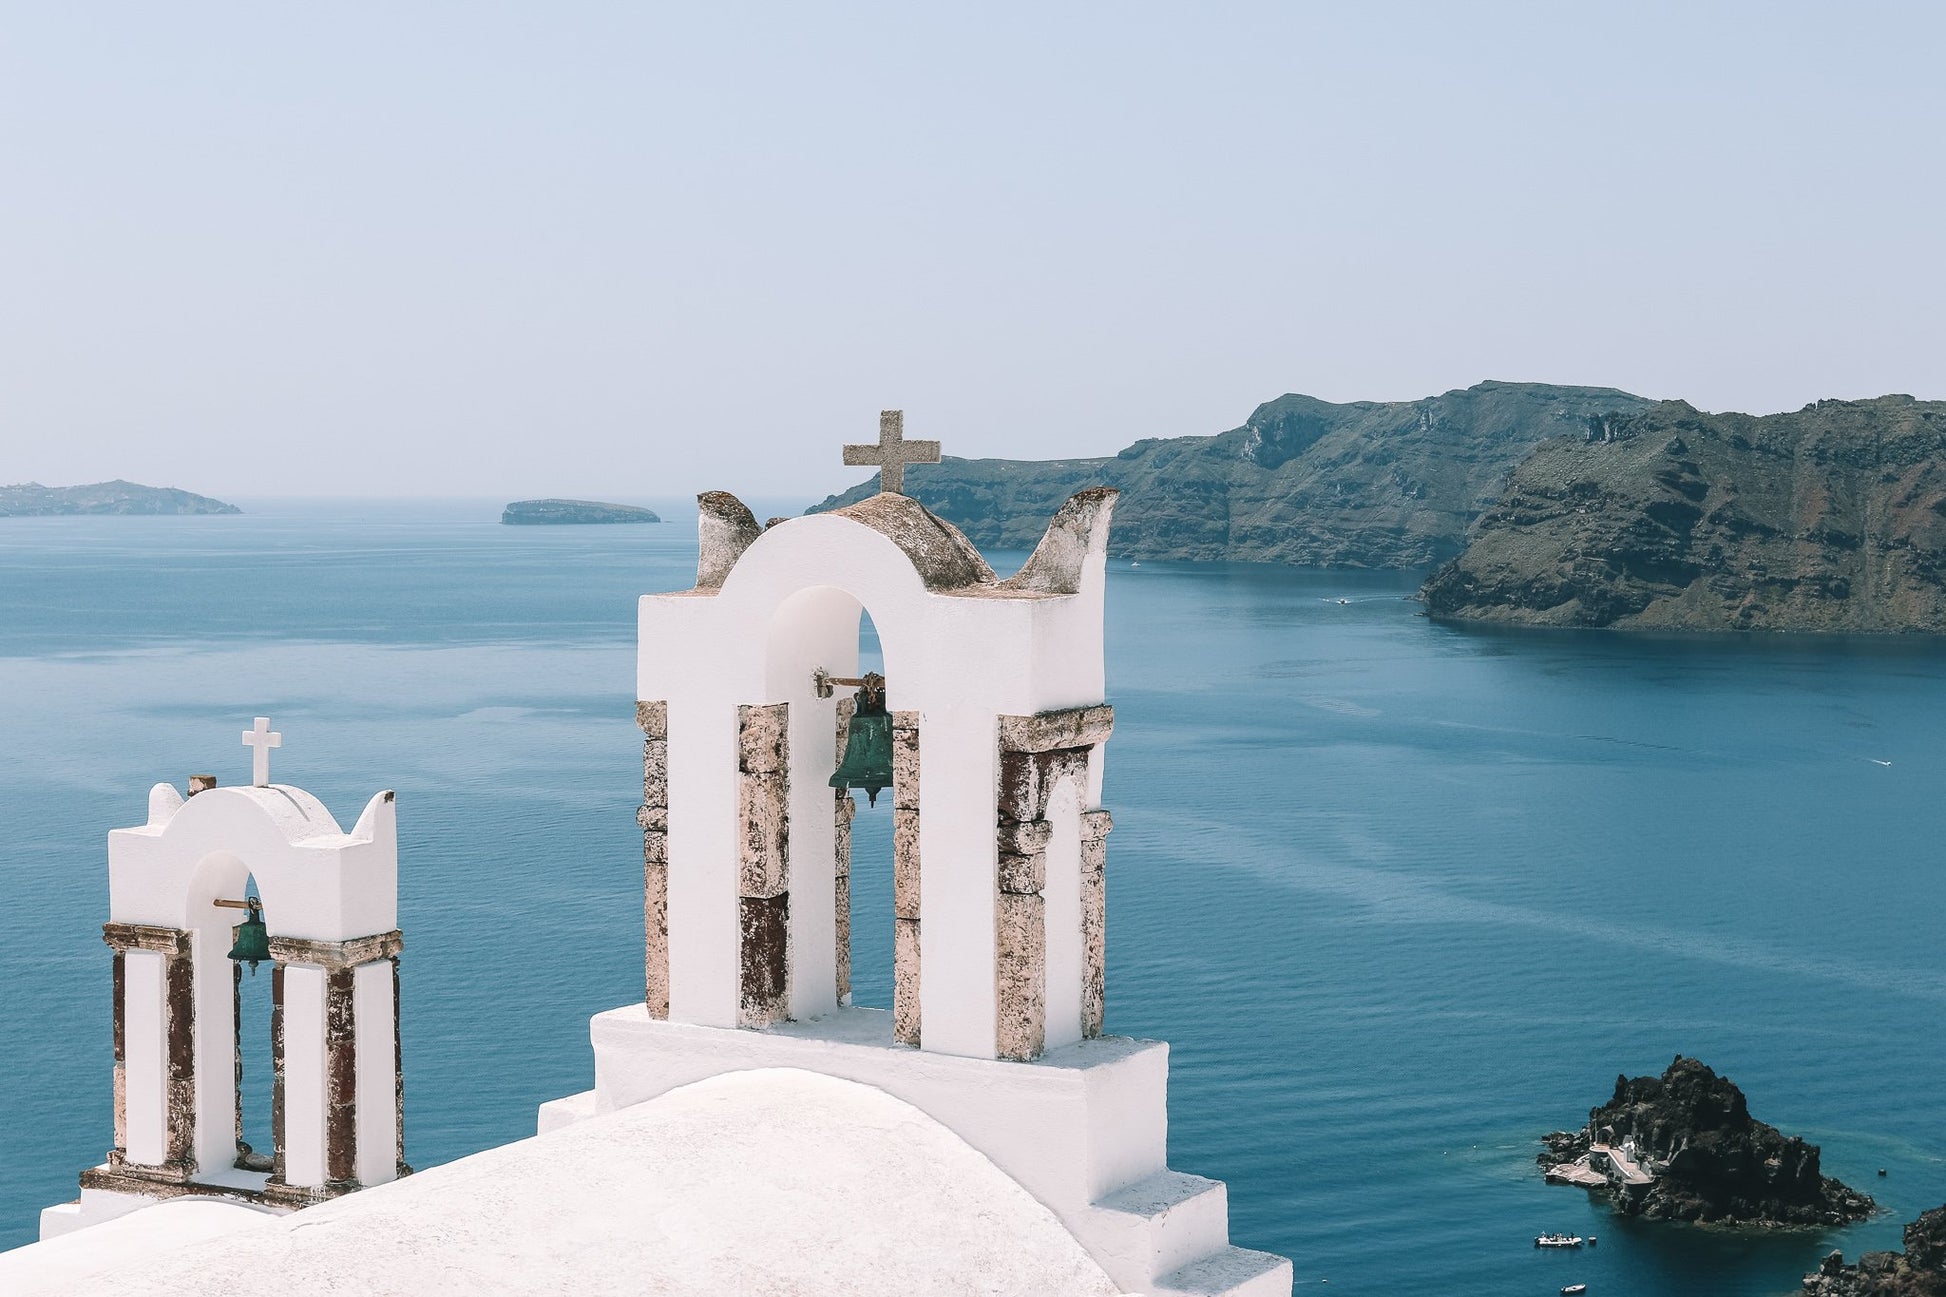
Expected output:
{"points": [[1000, 727], [328, 902]]}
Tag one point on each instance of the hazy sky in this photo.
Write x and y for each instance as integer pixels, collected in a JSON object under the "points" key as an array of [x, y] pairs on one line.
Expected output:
{"points": [[631, 249]]}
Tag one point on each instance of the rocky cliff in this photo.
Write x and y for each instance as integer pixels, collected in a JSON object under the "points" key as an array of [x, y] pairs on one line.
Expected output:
{"points": [[1304, 481], [1919, 1271], [571, 512], [1832, 518], [1709, 1159], [31, 500]]}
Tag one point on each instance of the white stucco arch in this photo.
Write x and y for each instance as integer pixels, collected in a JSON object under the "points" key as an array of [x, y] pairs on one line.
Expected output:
{"points": [[962, 648]]}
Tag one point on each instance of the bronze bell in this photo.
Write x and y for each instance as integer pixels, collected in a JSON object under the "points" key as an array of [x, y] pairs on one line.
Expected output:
{"points": [[868, 743], [252, 938]]}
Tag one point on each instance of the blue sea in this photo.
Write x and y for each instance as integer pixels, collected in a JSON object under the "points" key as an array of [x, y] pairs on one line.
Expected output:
{"points": [[1402, 896]]}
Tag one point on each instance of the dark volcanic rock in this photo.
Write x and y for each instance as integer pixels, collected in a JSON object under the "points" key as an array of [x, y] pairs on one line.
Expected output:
{"points": [[543, 512], [1364, 484], [31, 499], [1829, 519], [1919, 1271], [1712, 1161]]}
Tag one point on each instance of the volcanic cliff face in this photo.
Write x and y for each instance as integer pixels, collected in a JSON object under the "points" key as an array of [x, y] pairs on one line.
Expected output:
{"points": [[1832, 518], [1919, 1271], [1364, 484], [1711, 1160]]}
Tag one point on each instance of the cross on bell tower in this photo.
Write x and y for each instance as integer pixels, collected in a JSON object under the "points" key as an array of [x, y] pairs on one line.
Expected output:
{"points": [[892, 452], [260, 740]]}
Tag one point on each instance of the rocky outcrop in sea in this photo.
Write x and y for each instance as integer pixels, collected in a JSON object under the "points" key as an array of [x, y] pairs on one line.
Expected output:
{"points": [[1380, 484], [1919, 1271], [1830, 518], [1683, 1146]]}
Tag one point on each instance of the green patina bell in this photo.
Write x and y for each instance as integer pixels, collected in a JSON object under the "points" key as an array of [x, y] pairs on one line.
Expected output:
{"points": [[252, 938], [868, 744]]}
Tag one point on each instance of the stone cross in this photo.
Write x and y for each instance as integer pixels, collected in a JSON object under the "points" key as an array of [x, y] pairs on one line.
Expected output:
{"points": [[261, 740], [892, 452]]}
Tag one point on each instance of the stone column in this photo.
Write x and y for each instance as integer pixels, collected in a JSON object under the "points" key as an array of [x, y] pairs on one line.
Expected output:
{"points": [[338, 1066], [653, 718], [155, 1050], [844, 810], [1095, 826], [763, 840], [1037, 753], [906, 969]]}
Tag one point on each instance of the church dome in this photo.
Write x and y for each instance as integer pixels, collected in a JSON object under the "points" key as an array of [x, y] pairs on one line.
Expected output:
{"points": [[777, 1181]]}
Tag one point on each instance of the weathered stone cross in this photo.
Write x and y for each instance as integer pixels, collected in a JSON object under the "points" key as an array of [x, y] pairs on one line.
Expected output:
{"points": [[261, 740], [892, 452]]}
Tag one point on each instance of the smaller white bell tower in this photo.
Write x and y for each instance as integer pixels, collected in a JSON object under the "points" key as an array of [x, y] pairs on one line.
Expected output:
{"points": [[327, 902]]}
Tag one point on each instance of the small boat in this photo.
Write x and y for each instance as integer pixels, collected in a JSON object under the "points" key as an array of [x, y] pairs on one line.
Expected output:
{"points": [[1344, 601], [1558, 1240], [1574, 1288]]}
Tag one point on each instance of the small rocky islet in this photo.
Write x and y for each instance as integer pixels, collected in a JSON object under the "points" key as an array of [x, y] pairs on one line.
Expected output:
{"points": [[1919, 1271], [1683, 1146], [572, 513]]}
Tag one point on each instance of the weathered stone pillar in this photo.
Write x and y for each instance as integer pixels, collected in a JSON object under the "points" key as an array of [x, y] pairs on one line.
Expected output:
{"points": [[844, 810], [1037, 753], [278, 1140], [119, 1152], [653, 718], [763, 906], [1095, 826], [906, 970], [341, 1080]]}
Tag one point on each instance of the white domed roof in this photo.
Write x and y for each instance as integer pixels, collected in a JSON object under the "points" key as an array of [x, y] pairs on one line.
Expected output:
{"points": [[778, 1182]]}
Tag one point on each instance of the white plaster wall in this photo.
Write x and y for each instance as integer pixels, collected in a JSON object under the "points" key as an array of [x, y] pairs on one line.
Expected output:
{"points": [[317, 881], [1071, 1127], [703, 861], [371, 1007], [215, 1044], [144, 1054], [303, 1074], [958, 861], [1063, 910]]}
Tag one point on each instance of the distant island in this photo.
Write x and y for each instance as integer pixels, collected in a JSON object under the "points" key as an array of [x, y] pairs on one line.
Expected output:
{"points": [[1831, 518], [32, 500], [1919, 1271], [1683, 1146], [1371, 484], [522, 513]]}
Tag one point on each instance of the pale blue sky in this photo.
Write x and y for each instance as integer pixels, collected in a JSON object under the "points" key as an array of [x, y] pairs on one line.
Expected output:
{"points": [[630, 249]]}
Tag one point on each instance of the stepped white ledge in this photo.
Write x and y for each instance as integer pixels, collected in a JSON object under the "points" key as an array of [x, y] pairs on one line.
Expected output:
{"points": [[1083, 1128]]}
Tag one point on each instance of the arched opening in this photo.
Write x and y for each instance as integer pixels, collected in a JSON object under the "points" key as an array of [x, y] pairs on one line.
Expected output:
{"points": [[233, 1045], [834, 961], [254, 1071], [870, 893]]}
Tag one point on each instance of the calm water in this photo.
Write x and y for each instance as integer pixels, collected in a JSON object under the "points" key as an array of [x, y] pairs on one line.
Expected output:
{"points": [[1402, 897]]}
